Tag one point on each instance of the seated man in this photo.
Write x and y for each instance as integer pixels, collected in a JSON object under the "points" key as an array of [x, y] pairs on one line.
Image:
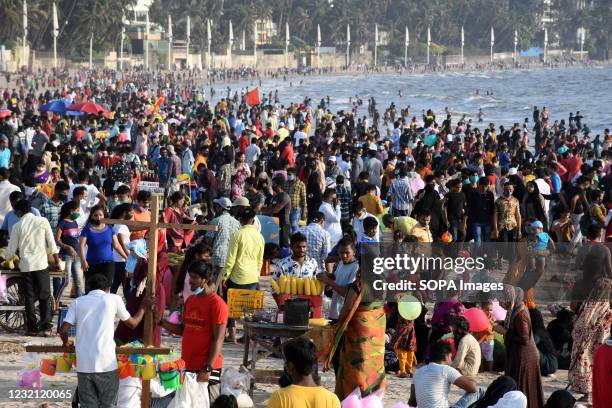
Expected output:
{"points": [[431, 383], [300, 363]]}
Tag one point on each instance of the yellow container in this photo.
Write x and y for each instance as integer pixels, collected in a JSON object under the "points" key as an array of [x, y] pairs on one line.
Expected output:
{"points": [[63, 364], [149, 371], [239, 300]]}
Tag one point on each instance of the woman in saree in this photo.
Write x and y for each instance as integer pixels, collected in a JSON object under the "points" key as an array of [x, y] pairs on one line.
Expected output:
{"points": [[591, 328], [175, 214], [361, 335], [522, 356], [123, 334]]}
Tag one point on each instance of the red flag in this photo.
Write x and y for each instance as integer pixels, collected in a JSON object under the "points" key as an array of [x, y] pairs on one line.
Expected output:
{"points": [[252, 97]]}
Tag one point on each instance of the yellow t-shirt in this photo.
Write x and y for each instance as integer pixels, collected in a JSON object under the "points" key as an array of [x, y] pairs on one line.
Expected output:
{"points": [[296, 396], [372, 204], [282, 133]]}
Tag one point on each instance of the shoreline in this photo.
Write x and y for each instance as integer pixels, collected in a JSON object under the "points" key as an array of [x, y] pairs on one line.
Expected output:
{"points": [[394, 71]]}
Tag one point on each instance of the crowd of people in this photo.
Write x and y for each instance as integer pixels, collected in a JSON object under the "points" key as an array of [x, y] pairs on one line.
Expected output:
{"points": [[336, 183]]}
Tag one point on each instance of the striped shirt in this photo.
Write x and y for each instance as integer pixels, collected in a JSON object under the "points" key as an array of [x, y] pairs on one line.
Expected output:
{"points": [[432, 384], [400, 194]]}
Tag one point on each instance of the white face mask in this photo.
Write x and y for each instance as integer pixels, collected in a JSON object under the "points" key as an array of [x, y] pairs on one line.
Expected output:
{"points": [[198, 291]]}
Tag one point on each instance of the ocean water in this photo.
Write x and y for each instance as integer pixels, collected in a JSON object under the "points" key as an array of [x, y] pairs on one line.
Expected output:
{"points": [[514, 93]]}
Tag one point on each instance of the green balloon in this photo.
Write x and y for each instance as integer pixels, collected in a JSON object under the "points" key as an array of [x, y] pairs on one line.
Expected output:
{"points": [[409, 307]]}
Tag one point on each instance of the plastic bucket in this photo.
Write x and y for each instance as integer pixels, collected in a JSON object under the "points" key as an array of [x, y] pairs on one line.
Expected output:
{"points": [[149, 371], [48, 366], [63, 364], [30, 379], [127, 370], [170, 380]]}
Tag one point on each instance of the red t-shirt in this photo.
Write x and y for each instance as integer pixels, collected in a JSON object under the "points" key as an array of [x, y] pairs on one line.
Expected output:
{"points": [[201, 314], [602, 376], [288, 154]]}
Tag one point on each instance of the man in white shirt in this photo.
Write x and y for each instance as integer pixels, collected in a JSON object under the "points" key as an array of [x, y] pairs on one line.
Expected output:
{"points": [[93, 194], [96, 362], [300, 135], [543, 187], [33, 239], [330, 208], [252, 152], [431, 383], [6, 188]]}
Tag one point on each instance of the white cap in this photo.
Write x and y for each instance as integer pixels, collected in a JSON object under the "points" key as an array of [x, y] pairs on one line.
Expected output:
{"points": [[512, 171]]}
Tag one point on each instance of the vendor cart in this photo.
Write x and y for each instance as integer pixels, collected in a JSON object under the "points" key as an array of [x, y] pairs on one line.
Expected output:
{"points": [[263, 334], [12, 312]]}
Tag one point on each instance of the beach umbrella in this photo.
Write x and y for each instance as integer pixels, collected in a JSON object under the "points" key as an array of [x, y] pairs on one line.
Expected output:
{"points": [[55, 106], [87, 107], [74, 113], [5, 113]]}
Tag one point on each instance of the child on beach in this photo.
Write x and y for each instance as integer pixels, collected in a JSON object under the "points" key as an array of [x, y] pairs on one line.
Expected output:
{"points": [[538, 241], [370, 229], [404, 343], [486, 337]]}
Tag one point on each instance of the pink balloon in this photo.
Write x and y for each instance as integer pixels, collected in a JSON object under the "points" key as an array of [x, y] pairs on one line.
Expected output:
{"points": [[352, 401], [477, 318], [499, 313]]}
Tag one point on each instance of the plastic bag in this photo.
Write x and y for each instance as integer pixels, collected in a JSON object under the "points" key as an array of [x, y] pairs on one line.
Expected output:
{"points": [[3, 292], [192, 394], [373, 400], [353, 400], [130, 389], [233, 382]]}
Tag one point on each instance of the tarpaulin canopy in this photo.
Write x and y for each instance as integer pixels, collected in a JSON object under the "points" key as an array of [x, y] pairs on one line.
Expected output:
{"points": [[532, 52]]}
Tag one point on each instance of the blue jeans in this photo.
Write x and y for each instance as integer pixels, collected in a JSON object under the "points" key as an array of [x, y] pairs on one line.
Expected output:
{"points": [[73, 265], [456, 227], [294, 219], [72, 273], [481, 232], [469, 398]]}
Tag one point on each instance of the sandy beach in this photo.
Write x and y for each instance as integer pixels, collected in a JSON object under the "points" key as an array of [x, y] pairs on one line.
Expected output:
{"points": [[398, 389]]}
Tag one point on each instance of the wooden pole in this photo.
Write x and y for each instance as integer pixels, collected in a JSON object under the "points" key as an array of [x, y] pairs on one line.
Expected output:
{"points": [[33, 348], [149, 324]]}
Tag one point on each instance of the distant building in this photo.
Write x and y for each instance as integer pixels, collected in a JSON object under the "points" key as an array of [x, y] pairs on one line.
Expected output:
{"points": [[136, 27], [548, 13], [266, 31]]}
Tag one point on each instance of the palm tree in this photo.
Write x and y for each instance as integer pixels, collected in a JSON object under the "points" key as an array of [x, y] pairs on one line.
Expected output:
{"points": [[11, 20]]}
